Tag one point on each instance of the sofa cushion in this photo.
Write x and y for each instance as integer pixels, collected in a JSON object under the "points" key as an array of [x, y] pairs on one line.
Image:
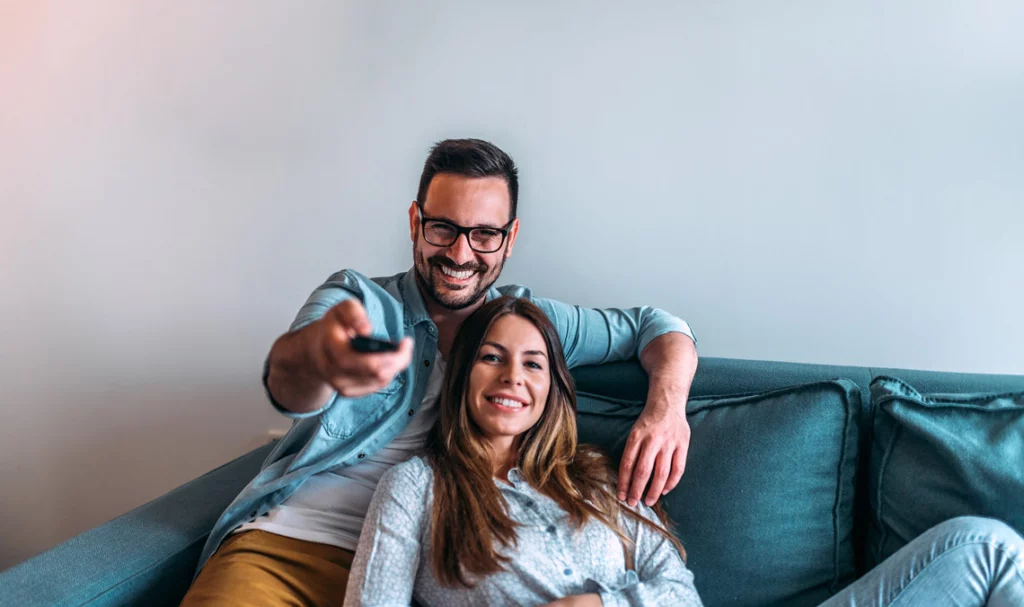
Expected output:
{"points": [[765, 507], [938, 456], [145, 557]]}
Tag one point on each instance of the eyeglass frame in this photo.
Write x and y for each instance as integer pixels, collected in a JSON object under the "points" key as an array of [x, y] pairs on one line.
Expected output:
{"points": [[460, 230]]}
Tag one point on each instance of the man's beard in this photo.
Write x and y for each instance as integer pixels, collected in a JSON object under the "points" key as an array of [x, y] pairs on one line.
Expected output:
{"points": [[455, 299]]}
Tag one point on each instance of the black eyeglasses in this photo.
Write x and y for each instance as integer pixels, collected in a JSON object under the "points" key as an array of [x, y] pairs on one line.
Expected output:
{"points": [[442, 233]]}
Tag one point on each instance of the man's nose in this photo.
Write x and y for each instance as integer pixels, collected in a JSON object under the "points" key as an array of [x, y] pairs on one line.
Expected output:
{"points": [[460, 252]]}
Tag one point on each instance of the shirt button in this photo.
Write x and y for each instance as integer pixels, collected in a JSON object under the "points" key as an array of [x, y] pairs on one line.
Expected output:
{"points": [[551, 529], [361, 455], [567, 571], [426, 363], [411, 412]]}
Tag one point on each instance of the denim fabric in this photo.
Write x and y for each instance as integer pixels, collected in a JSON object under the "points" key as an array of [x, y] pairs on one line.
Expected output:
{"points": [[346, 430], [966, 561], [939, 456]]}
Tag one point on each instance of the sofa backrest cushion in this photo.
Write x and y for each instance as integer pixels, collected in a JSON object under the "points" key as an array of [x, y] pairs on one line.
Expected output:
{"points": [[765, 507], [938, 456]]}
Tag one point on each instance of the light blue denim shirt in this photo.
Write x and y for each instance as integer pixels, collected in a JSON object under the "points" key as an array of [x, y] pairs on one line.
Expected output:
{"points": [[549, 560], [347, 430]]}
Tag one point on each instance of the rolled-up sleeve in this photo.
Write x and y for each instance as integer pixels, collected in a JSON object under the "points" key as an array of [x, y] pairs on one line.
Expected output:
{"points": [[595, 336]]}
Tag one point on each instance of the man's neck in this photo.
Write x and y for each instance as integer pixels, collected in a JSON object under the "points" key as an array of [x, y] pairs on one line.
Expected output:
{"points": [[447, 321]]}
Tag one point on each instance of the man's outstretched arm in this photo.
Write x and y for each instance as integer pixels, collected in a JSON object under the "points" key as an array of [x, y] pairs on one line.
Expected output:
{"points": [[309, 368]]}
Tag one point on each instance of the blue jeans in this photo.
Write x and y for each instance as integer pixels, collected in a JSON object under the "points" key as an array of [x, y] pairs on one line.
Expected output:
{"points": [[963, 561]]}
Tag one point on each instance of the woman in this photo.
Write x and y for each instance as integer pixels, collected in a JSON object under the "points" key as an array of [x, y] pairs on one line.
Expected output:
{"points": [[505, 508]]}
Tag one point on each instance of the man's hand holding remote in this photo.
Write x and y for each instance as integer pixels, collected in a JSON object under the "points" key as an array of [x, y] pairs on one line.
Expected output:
{"points": [[307, 366]]}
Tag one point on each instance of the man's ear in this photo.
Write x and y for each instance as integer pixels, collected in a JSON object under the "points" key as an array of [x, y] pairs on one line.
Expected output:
{"points": [[512, 232], [414, 221]]}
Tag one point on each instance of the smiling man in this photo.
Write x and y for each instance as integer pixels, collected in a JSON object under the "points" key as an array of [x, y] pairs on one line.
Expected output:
{"points": [[289, 537]]}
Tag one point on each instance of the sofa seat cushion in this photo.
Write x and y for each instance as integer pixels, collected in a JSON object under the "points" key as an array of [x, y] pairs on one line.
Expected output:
{"points": [[765, 507], [939, 456]]}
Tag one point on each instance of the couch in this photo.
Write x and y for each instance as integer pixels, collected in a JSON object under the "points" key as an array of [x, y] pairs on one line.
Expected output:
{"points": [[800, 477]]}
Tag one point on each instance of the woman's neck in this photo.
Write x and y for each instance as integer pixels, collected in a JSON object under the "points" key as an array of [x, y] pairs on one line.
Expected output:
{"points": [[504, 452]]}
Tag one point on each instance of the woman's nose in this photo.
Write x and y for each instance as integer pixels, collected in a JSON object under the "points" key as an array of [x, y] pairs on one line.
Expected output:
{"points": [[512, 375]]}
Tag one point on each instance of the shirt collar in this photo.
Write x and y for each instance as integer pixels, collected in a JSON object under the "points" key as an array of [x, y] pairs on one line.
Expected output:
{"points": [[415, 309], [515, 476], [492, 293]]}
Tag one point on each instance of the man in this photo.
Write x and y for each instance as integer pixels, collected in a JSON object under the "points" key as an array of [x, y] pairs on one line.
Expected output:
{"points": [[289, 537]]}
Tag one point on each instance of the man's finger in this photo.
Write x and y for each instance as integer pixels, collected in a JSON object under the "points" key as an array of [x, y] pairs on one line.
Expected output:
{"points": [[661, 470], [405, 350], [399, 359], [678, 466], [626, 464], [350, 387], [352, 315], [642, 472], [367, 373], [333, 347]]}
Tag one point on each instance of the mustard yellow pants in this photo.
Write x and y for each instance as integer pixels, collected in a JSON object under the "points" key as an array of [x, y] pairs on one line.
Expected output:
{"points": [[257, 568]]}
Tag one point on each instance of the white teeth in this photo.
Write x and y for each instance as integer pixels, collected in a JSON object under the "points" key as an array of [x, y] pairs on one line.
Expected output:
{"points": [[505, 402], [460, 275]]}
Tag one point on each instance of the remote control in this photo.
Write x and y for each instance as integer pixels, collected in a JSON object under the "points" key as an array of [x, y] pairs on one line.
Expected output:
{"points": [[371, 345]]}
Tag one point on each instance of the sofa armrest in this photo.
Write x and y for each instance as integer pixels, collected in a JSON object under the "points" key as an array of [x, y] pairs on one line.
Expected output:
{"points": [[145, 557]]}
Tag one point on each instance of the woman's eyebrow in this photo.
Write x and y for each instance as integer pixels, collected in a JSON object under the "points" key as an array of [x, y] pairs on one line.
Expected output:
{"points": [[495, 344], [498, 346]]}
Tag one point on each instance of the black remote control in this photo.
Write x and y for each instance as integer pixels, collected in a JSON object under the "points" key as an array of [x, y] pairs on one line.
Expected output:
{"points": [[371, 345]]}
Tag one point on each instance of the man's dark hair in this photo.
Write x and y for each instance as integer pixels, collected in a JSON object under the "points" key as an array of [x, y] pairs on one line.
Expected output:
{"points": [[470, 158]]}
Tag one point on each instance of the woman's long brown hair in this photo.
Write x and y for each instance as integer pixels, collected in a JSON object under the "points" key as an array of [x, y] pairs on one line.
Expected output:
{"points": [[470, 518]]}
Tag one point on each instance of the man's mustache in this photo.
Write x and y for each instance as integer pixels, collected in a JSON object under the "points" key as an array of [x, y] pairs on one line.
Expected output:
{"points": [[444, 261]]}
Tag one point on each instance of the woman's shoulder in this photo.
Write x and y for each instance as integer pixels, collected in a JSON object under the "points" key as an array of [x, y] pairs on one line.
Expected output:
{"points": [[414, 473]]}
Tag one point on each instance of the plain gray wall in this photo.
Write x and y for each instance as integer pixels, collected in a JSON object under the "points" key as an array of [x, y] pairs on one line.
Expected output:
{"points": [[833, 182]]}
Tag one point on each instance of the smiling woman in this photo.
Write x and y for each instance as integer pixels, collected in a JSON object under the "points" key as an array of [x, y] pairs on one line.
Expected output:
{"points": [[508, 388], [506, 507]]}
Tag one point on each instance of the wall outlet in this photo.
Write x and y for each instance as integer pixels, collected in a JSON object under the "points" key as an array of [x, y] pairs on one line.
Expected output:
{"points": [[276, 434]]}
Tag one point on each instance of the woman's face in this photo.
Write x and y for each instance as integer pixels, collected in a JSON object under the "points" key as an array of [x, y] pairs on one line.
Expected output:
{"points": [[510, 379]]}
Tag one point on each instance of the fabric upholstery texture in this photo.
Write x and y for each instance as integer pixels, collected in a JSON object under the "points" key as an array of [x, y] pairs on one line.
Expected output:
{"points": [[145, 557], [938, 456], [768, 493], [148, 556]]}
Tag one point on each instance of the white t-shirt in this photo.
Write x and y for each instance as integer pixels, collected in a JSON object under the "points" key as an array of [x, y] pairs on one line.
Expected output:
{"points": [[329, 508]]}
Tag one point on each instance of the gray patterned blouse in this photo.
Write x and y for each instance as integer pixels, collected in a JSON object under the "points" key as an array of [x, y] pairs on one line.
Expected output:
{"points": [[392, 564]]}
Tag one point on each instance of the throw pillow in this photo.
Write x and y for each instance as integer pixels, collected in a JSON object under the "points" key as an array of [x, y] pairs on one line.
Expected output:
{"points": [[938, 456], [765, 507]]}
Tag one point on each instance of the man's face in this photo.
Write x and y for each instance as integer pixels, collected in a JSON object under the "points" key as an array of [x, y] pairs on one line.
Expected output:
{"points": [[457, 276]]}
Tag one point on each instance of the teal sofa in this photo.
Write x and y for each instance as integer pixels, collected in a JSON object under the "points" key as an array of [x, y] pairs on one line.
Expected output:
{"points": [[799, 478]]}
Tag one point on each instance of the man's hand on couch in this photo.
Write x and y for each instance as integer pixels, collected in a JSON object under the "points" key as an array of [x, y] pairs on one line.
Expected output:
{"points": [[660, 438]]}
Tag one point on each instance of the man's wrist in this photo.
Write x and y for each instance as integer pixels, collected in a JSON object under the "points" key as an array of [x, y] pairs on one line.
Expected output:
{"points": [[667, 391], [292, 381]]}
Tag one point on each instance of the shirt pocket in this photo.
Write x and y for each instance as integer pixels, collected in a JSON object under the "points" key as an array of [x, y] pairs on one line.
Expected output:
{"points": [[349, 416]]}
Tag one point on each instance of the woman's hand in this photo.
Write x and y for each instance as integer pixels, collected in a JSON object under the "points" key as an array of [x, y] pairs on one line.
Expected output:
{"points": [[578, 600]]}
